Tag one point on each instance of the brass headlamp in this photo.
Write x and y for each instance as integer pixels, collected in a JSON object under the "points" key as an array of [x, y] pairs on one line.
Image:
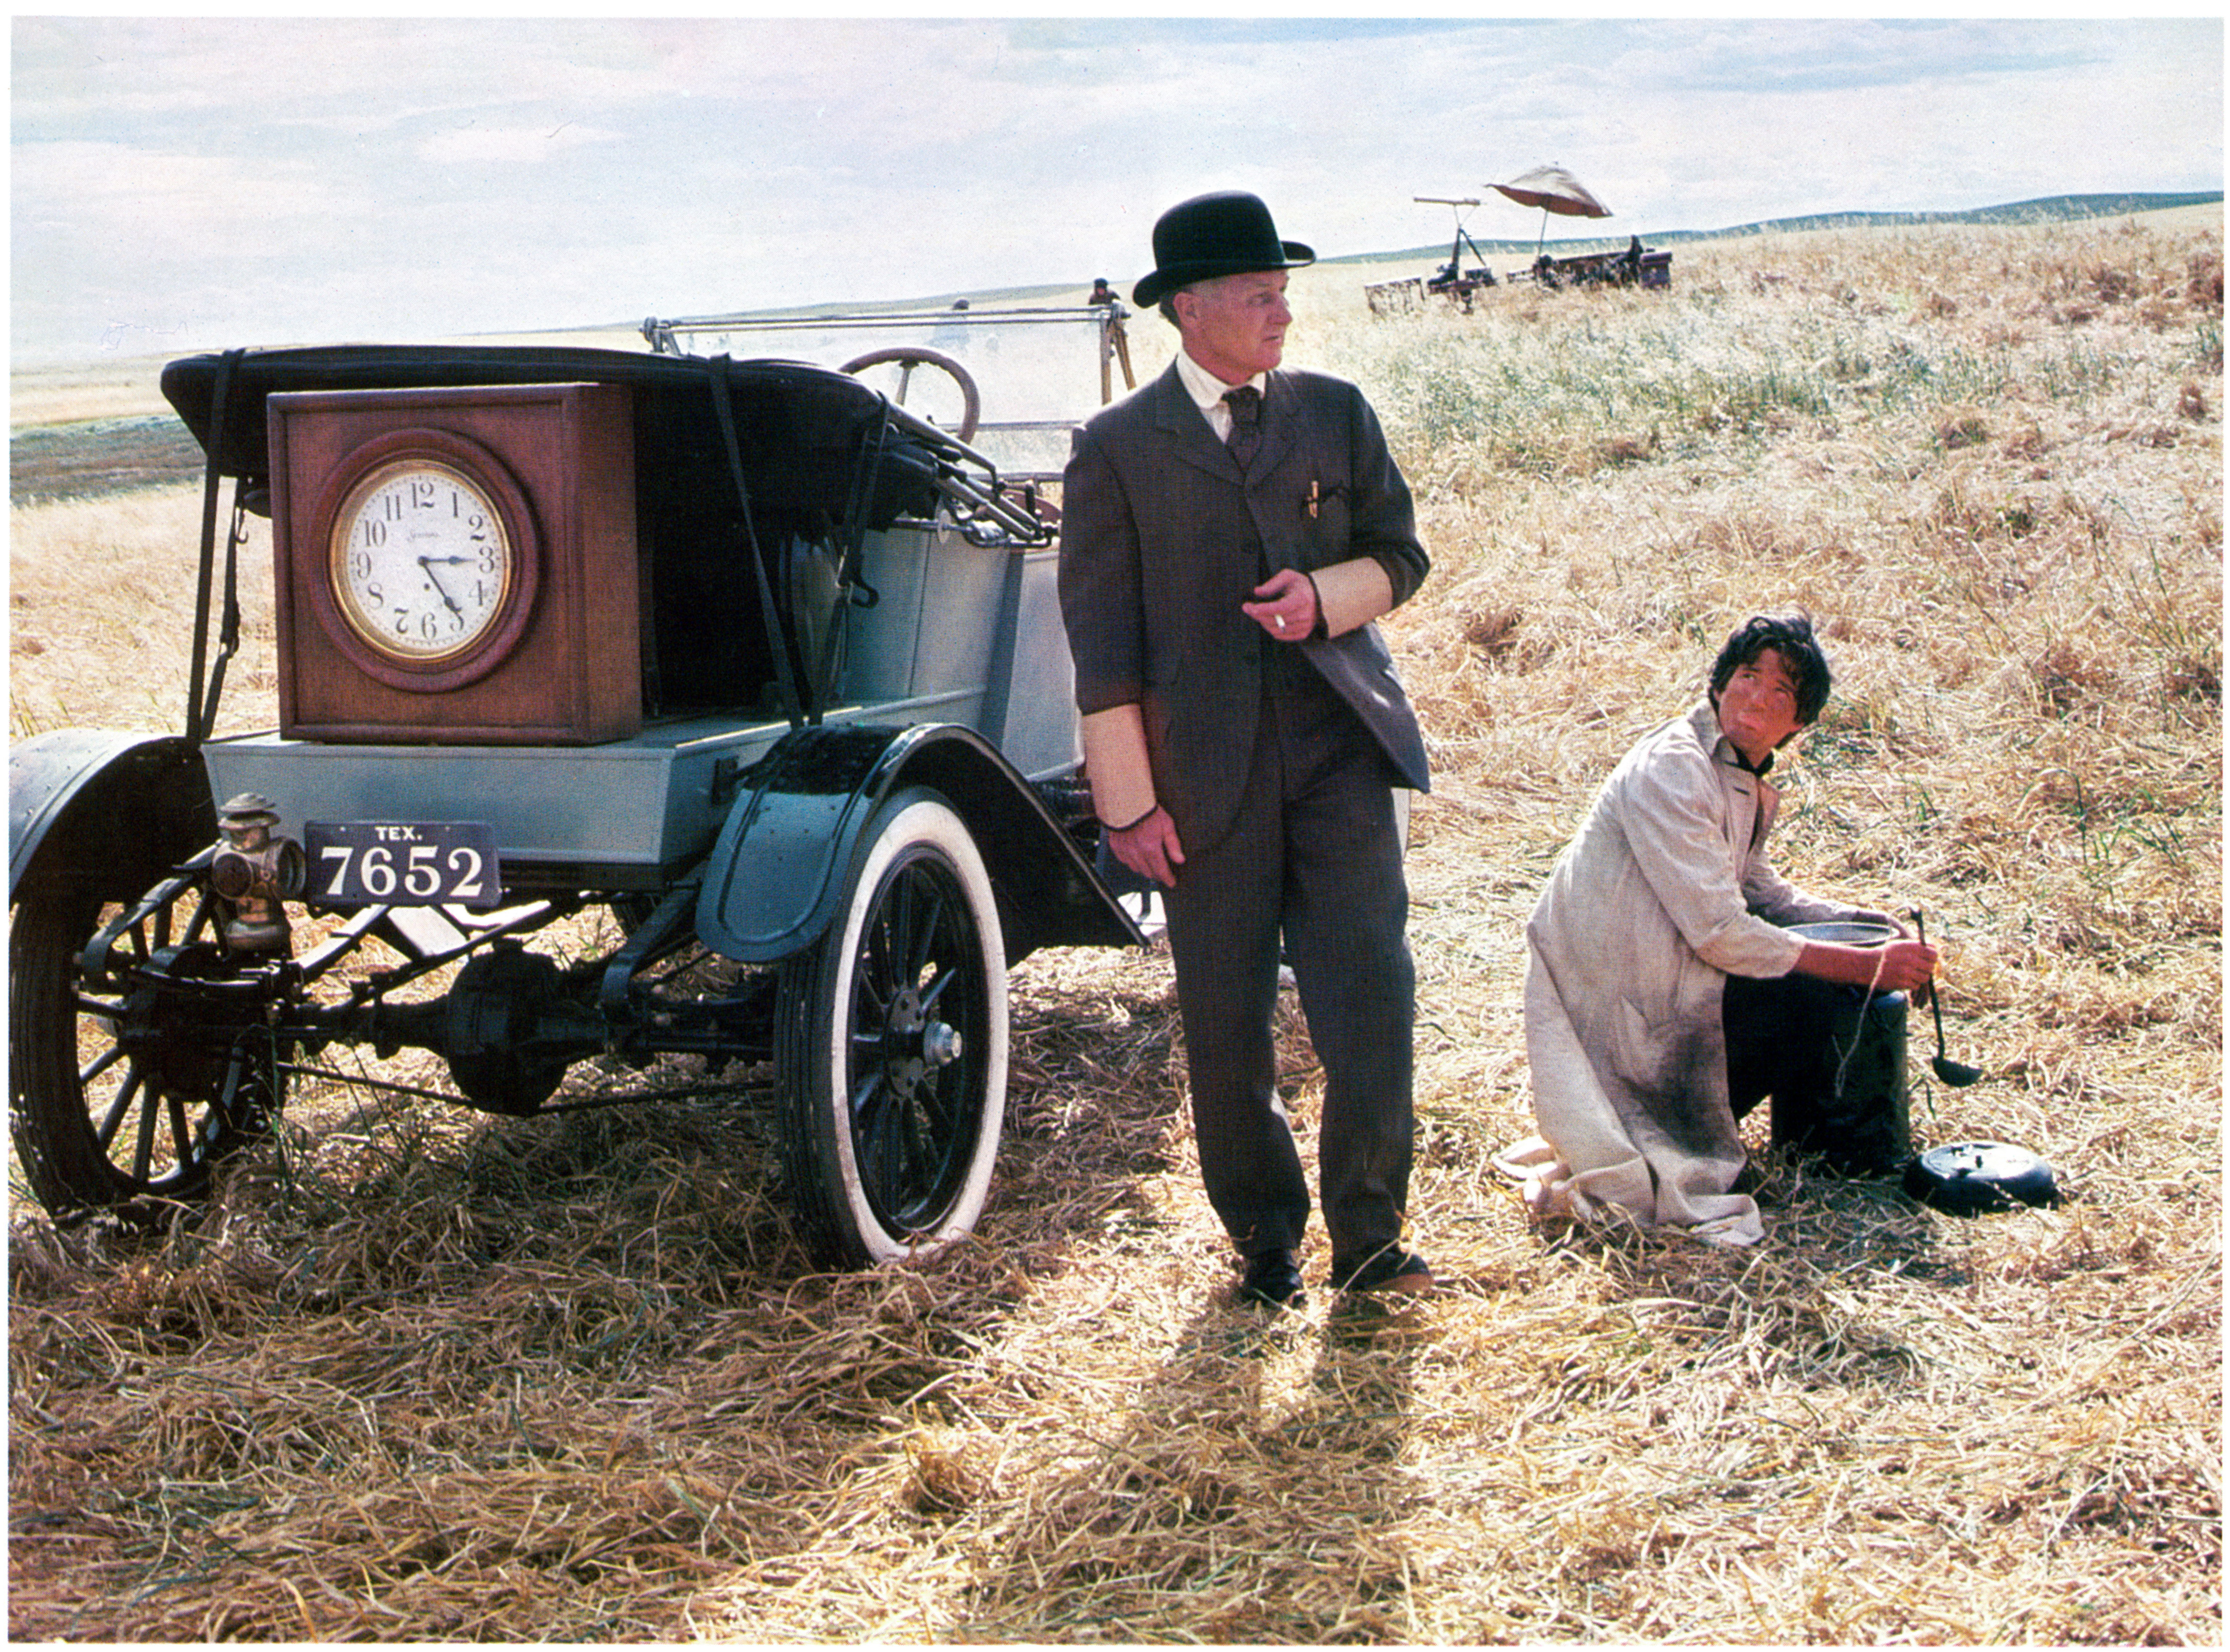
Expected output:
{"points": [[253, 873]]}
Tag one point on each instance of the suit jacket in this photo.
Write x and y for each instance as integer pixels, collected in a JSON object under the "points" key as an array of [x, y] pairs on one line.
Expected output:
{"points": [[1163, 538]]}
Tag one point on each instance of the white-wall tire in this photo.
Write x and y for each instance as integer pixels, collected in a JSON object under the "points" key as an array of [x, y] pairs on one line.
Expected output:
{"points": [[891, 1045]]}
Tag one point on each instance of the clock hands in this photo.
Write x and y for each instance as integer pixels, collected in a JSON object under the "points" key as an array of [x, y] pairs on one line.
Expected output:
{"points": [[426, 566]]}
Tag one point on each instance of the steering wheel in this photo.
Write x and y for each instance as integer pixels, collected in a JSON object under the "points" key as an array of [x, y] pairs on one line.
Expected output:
{"points": [[909, 356]]}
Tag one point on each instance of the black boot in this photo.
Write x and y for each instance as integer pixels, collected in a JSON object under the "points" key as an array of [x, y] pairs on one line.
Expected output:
{"points": [[1853, 1113]]}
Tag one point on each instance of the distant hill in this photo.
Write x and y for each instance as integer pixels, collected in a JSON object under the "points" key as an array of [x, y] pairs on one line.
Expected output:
{"points": [[103, 406], [2050, 209]]}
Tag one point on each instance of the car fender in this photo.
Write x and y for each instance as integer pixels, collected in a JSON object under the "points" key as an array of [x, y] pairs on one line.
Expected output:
{"points": [[99, 805], [781, 867]]}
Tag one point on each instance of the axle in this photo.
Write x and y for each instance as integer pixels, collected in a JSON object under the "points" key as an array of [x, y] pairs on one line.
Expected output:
{"points": [[509, 1025]]}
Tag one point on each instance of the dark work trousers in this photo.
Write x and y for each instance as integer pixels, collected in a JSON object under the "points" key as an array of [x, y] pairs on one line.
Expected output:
{"points": [[1833, 1059], [1314, 854]]}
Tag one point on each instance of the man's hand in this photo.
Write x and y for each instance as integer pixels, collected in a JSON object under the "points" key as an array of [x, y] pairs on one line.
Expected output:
{"points": [[1889, 921], [1150, 847], [1285, 605], [1893, 966], [1908, 968]]}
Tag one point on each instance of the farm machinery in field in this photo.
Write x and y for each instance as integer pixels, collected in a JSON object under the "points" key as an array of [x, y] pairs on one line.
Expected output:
{"points": [[1555, 192]]}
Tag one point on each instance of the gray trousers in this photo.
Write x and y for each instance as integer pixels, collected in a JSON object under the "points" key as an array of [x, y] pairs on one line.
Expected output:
{"points": [[1315, 855]]}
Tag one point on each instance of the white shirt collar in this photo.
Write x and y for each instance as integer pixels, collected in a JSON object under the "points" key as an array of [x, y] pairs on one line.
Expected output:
{"points": [[1206, 390]]}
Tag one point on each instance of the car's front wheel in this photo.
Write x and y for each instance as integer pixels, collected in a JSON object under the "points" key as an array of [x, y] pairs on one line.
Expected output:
{"points": [[890, 1046]]}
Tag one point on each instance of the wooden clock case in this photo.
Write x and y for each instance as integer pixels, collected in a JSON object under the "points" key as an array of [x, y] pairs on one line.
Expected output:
{"points": [[563, 665]]}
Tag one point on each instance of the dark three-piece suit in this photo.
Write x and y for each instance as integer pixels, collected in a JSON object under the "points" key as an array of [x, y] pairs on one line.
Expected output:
{"points": [[1275, 761]]}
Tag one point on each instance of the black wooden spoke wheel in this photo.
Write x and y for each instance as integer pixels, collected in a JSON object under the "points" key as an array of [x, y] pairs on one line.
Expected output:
{"points": [[890, 1046], [906, 358], [127, 1095]]}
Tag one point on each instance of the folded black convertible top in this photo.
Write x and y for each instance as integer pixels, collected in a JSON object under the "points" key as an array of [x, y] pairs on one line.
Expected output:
{"points": [[807, 435]]}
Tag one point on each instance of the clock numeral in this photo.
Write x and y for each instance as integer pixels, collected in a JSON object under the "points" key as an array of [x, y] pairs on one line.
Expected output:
{"points": [[460, 571]]}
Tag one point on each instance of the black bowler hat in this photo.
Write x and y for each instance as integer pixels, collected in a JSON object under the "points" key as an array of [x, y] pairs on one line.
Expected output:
{"points": [[1225, 234]]}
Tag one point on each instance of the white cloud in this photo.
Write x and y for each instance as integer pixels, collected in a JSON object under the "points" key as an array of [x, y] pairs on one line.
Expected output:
{"points": [[91, 181], [356, 176], [475, 145]]}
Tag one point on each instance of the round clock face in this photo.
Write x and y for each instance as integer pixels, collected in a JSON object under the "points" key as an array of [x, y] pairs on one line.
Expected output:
{"points": [[422, 567]]}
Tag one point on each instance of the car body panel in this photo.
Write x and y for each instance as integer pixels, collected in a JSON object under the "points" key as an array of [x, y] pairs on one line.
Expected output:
{"points": [[116, 803], [775, 878]]}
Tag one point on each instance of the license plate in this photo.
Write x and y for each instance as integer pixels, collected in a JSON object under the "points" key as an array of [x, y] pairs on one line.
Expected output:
{"points": [[403, 863]]}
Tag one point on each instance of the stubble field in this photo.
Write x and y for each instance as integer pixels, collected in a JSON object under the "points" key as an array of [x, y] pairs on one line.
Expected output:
{"points": [[424, 1375]]}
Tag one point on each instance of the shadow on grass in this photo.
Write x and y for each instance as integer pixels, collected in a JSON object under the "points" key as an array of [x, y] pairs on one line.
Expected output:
{"points": [[1252, 1490], [423, 1355]]}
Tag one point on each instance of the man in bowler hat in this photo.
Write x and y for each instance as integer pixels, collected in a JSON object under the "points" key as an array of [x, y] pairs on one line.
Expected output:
{"points": [[1228, 534]]}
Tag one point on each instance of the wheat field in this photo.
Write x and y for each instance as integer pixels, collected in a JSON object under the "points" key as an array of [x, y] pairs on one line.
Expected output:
{"points": [[418, 1375]]}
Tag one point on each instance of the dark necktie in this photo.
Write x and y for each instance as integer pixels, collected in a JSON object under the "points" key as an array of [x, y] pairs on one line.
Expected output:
{"points": [[1245, 404]]}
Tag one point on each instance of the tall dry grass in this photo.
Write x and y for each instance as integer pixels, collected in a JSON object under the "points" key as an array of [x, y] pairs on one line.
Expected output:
{"points": [[426, 1375], [102, 621]]}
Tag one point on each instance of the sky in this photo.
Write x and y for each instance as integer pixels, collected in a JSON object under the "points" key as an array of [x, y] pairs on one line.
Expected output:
{"points": [[188, 184]]}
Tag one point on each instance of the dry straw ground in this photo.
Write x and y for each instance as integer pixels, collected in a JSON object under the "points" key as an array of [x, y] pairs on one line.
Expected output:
{"points": [[425, 1375]]}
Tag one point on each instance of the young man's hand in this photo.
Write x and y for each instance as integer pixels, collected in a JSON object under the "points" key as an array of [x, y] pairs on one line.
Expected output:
{"points": [[1893, 966]]}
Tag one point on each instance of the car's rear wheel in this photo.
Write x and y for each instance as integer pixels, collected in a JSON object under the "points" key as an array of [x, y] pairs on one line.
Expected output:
{"points": [[127, 1097], [891, 1045]]}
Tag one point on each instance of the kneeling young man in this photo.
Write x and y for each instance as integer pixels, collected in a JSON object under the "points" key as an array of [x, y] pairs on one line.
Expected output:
{"points": [[1664, 995]]}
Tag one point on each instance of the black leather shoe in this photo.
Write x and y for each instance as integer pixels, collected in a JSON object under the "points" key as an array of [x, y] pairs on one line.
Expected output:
{"points": [[1272, 1280], [1390, 1270]]}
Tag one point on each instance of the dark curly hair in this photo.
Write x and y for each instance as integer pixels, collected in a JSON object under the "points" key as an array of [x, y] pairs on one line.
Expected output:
{"points": [[1791, 636]]}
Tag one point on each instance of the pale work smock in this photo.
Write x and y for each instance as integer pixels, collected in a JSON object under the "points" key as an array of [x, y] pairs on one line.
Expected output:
{"points": [[1664, 893]]}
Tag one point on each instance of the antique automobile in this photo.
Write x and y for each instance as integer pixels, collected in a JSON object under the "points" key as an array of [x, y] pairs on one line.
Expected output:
{"points": [[748, 667]]}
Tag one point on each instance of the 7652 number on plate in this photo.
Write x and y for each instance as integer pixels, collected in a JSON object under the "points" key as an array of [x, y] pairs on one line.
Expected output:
{"points": [[403, 863]]}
